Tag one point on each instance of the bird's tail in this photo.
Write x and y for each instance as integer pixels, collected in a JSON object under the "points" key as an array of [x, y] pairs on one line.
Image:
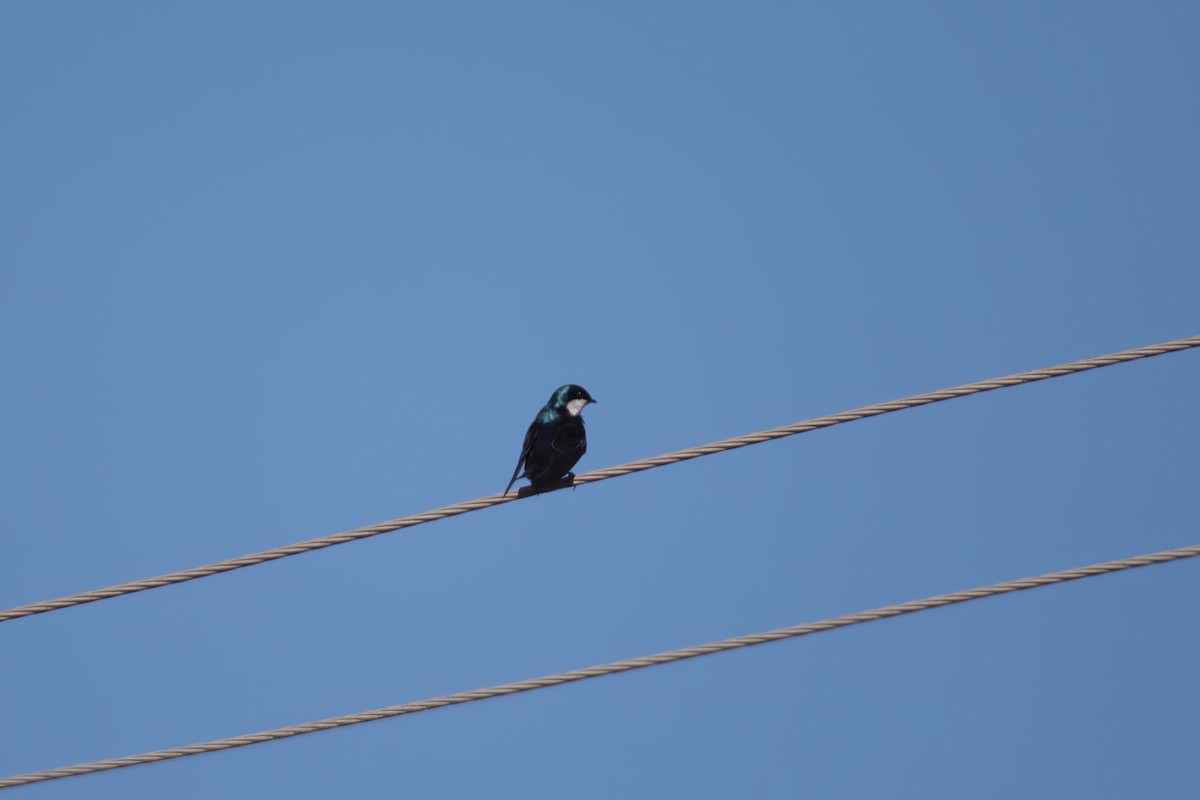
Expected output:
{"points": [[515, 478]]}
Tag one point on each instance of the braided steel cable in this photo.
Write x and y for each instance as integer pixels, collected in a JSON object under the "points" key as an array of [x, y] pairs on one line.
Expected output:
{"points": [[606, 669], [598, 475]]}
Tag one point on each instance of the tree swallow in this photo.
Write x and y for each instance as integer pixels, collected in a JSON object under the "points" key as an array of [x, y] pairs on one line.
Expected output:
{"points": [[556, 440]]}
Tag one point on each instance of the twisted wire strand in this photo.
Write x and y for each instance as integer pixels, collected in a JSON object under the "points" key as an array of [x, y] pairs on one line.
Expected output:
{"points": [[614, 667], [598, 475]]}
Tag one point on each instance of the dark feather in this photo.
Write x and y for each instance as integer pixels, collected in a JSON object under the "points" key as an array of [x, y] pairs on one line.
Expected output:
{"points": [[525, 450]]}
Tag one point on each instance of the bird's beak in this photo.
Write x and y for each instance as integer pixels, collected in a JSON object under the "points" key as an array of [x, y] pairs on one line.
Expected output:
{"points": [[592, 401]]}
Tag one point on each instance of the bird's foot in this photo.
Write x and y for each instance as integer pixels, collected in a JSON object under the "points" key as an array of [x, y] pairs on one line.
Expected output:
{"points": [[567, 480]]}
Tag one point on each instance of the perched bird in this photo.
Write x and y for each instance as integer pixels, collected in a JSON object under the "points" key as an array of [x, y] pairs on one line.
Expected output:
{"points": [[556, 440]]}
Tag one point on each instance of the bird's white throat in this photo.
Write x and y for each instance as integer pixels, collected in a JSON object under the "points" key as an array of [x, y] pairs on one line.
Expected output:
{"points": [[575, 406]]}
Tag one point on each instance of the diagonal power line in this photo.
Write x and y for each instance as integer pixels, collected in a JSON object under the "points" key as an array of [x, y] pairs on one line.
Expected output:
{"points": [[599, 475], [605, 669]]}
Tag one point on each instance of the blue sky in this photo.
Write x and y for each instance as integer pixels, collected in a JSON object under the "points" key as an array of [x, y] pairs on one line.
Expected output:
{"points": [[274, 270]]}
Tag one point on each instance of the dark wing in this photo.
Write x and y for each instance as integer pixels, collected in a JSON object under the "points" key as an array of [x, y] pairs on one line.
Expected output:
{"points": [[570, 439], [526, 449]]}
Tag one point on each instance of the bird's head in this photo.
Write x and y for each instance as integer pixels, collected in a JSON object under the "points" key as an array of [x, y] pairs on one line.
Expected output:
{"points": [[570, 398]]}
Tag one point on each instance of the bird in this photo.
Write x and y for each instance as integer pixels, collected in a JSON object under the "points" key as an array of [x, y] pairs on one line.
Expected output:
{"points": [[556, 439]]}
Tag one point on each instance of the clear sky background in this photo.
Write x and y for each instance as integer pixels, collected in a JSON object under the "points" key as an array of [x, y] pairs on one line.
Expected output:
{"points": [[272, 270]]}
